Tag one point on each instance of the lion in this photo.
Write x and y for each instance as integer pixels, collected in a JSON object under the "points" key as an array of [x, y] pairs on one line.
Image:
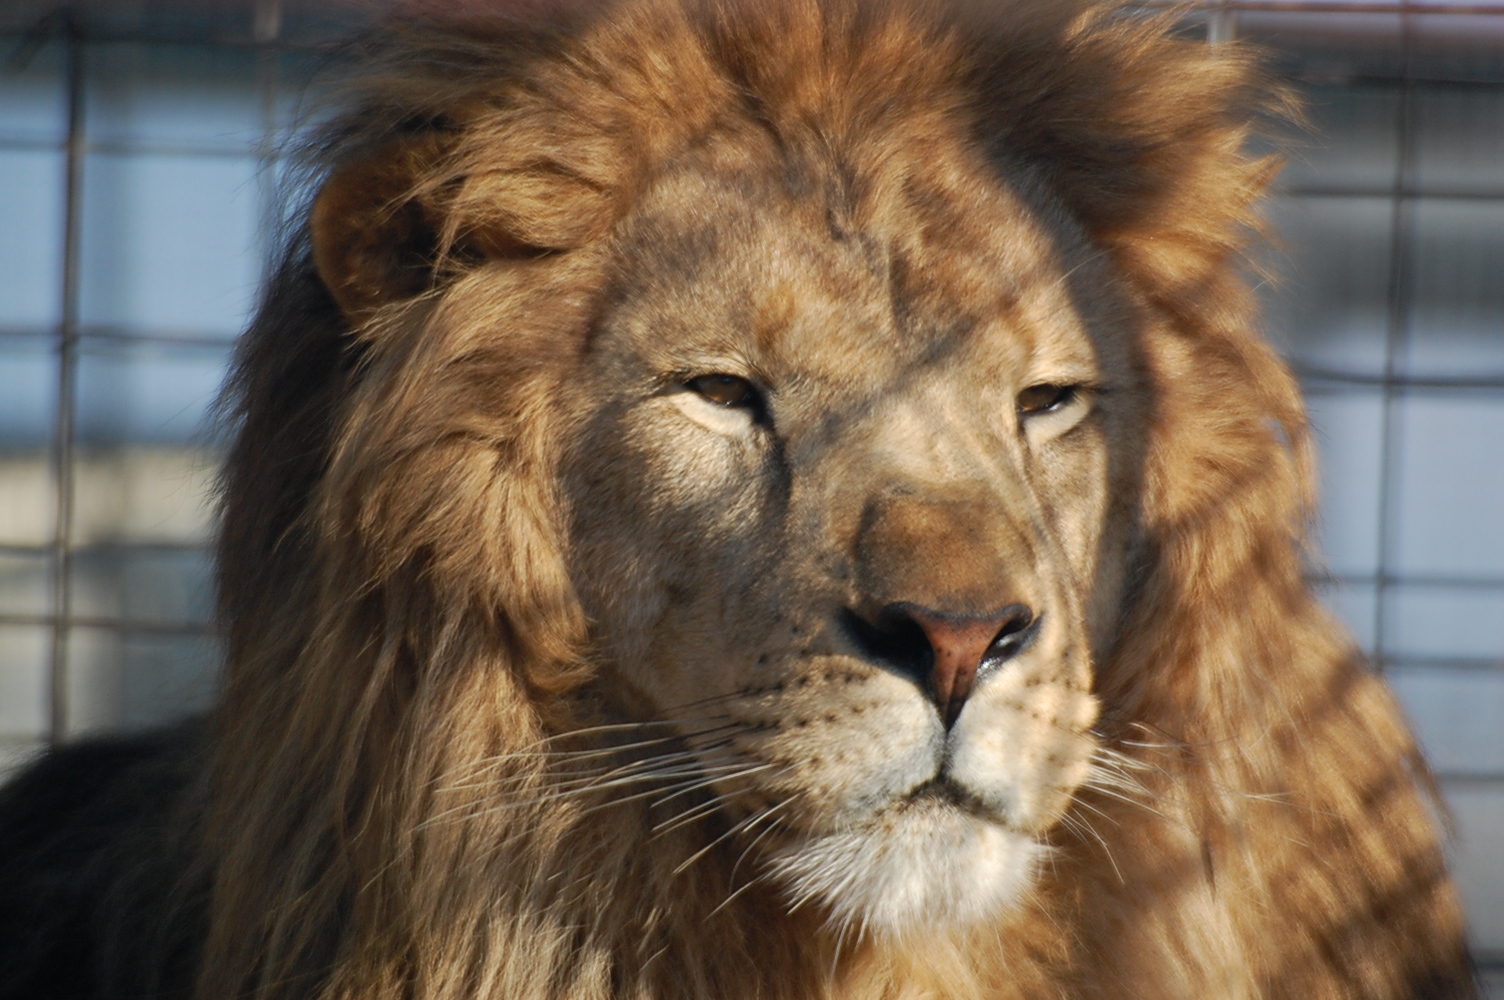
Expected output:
{"points": [[742, 499]]}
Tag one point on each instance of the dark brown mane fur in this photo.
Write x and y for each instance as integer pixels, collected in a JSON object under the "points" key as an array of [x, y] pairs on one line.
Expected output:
{"points": [[364, 820]]}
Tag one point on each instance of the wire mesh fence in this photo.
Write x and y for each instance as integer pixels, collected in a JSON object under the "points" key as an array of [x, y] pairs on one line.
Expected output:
{"points": [[1392, 311], [140, 181]]}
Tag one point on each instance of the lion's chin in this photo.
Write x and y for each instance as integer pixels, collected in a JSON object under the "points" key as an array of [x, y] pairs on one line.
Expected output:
{"points": [[926, 867]]}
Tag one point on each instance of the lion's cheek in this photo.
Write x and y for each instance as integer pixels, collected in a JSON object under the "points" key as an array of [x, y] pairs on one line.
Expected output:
{"points": [[1022, 748]]}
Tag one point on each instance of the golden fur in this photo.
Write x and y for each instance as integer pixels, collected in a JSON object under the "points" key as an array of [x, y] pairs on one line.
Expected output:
{"points": [[537, 686]]}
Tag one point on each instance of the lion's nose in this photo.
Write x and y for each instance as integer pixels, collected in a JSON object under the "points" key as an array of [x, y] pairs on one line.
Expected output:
{"points": [[961, 644]]}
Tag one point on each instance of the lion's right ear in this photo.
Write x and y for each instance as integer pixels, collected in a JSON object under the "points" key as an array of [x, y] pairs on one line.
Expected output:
{"points": [[380, 228], [384, 226], [373, 241]]}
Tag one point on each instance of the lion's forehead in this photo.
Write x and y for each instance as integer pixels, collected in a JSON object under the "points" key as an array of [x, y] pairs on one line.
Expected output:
{"points": [[788, 278]]}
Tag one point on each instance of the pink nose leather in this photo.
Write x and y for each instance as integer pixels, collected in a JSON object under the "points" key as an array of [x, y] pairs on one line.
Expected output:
{"points": [[959, 645]]}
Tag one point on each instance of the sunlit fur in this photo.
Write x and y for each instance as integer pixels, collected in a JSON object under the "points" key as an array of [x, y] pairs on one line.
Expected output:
{"points": [[494, 722]]}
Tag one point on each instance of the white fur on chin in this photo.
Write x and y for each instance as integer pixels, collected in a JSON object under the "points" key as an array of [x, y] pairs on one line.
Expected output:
{"points": [[927, 867]]}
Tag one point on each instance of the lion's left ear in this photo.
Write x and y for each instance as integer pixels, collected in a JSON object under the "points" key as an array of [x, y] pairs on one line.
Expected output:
{"points": [[388, 226]]}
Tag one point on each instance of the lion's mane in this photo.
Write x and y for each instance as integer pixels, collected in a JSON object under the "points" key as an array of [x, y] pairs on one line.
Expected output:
{"points": [[377, 816]]}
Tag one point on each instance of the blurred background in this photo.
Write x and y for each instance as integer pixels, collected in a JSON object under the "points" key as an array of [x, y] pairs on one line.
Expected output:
{"points": [[139, 184]]}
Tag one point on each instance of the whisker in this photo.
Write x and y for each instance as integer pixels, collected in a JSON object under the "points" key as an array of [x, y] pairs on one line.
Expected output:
{"points": [[710, 781], [681, 764], [615, 727], [690, 778], [645, 794], [530, 753], [1111, 774], [553, 794], [1081, 825], [695, 770], [645, 765], [1121, 797], [742, 826], [758, 839], [735, 895], [689, 816], [684, 865], [570, 757]]}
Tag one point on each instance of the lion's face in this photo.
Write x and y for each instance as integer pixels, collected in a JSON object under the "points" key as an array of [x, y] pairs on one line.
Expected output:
{"points": [[841, 515]]}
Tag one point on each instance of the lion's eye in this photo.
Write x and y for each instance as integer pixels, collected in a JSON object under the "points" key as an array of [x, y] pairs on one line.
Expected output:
{"points": [[1044, 399], [726, 390]]}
